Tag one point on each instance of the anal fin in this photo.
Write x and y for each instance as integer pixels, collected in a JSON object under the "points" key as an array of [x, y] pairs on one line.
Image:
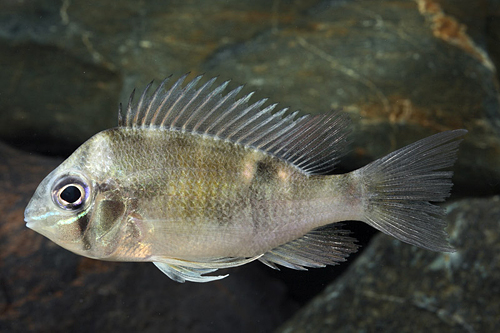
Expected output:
{"points": [[328, 245]]}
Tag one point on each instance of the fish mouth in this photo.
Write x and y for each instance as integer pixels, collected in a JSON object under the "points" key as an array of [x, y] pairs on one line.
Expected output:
{"points": [[39, 226], [34, 214], [31, 223], [31, 219]]}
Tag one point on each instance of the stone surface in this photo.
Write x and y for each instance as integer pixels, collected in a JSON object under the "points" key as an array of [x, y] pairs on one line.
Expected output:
{"points": [[53, 101], [45, 288], [65, 65], [387, 65], [394, 287]]}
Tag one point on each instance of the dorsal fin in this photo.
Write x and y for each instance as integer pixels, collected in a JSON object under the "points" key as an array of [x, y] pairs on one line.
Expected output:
{"points": [[311, 143]]}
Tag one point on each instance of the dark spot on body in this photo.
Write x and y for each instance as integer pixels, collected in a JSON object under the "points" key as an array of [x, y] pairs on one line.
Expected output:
{"points": [[83, 223], [265, 170], [107, 213]]}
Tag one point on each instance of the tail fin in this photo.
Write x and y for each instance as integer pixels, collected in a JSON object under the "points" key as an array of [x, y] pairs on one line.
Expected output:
{"points": [[399, 187]]}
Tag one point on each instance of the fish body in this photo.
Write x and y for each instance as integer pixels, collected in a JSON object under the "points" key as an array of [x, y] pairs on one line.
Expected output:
{"points": [[195, 181]]}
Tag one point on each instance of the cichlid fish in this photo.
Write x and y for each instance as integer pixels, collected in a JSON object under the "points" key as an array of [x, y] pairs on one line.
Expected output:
{"points": [[194, 180]]}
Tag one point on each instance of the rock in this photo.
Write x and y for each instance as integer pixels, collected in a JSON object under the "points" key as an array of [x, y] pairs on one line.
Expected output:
{"points": [[388, 65], [394, 287], [55, 107], [67, 64], [45, 288]]}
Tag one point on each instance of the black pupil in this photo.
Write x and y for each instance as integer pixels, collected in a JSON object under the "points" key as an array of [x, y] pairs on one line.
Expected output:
{"points": [[71, 194]]}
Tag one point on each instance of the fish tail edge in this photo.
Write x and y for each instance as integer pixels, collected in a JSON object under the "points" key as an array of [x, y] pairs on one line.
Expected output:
{"points": [[400, 188]]}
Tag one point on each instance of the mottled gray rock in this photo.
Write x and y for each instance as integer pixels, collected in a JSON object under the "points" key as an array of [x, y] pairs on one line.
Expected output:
{"points": [[45, 288], [401, 70], [395, 287], [51, 101], [65, 65]]}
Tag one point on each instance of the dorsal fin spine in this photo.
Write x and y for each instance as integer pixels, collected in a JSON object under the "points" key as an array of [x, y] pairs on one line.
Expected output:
{"points": [[129, 108], [251, 130], [228, 97], [285, 147], [120, 115], [140, 103], [255, 105], [208, 98], [312, 142], [183, 95], [271, 142], [191, 99], [241, 101], [173, 90], [229, 111], [164, 101], [153, 100], [196, 95], [299, 145], [278, 115]]}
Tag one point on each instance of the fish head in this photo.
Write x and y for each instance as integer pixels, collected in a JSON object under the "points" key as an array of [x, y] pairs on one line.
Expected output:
{"points": [[80, 205], [60, 208]]}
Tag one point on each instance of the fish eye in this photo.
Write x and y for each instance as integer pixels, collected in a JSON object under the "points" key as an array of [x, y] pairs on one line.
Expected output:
{"points": [[70, 193]]}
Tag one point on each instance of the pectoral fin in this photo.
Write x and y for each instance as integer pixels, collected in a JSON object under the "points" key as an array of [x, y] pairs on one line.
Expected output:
{"points": [[318, 248], [182, 273]]}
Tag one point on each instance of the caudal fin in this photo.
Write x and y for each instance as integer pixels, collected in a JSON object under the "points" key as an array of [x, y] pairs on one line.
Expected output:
{"points": [[399, 189]]}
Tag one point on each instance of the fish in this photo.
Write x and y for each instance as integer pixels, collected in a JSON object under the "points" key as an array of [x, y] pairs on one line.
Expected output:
{"points": [[195, 180]]}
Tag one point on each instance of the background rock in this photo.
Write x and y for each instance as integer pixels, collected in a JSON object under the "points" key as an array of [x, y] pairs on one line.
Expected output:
{"points": [[398, 288], [65, 65], [53, 101], [397, 75]]}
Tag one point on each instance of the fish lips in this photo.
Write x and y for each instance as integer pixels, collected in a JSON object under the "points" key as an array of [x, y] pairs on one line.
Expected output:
{"points": [[39, 218]]}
